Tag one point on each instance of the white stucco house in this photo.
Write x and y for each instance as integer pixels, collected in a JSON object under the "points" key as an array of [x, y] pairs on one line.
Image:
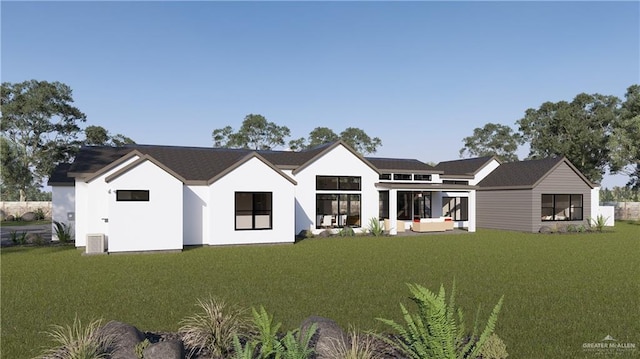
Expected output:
{"points": [[145, 198], [149, 198]]}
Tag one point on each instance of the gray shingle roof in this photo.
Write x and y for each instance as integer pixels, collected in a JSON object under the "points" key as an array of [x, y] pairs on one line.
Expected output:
{"points": [[520, 174], [400, 164], [468, 166], [60, 176]]}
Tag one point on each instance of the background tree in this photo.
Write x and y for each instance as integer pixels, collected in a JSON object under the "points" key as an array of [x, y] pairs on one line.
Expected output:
{"points": [[354, 137], [99, 136], [625, 140], [579, 130], [492, 140], [255, 133], [317, 136], [40, 125]]}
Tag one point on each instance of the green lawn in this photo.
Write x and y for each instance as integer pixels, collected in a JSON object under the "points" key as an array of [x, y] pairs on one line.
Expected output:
{"points": [[560, 290], [24, 223]]}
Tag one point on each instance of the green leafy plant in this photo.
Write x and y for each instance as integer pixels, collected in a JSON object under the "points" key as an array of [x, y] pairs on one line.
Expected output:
{"points": [[140, 347], [494, 348], [39, 214], [243, 352], [375, 228], [18, 238], [79, 342], [266, 338], [63, 231], [359, 346], [346, 232], [598, 223], [214, 328], [437, 329], [295, 344]]}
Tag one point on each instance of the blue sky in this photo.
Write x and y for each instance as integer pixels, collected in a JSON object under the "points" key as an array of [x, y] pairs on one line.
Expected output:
{"points": [[419, 75]]}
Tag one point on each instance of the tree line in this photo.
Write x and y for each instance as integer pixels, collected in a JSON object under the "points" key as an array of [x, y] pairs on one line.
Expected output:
{"points": [[597, 133]]}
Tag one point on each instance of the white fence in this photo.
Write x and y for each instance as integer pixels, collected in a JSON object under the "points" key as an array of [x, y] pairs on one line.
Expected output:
{"points": [[17, 209], [625, 210]]}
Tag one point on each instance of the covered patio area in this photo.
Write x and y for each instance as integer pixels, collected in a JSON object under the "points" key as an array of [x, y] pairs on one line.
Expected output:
{"points": [[426, 207]]}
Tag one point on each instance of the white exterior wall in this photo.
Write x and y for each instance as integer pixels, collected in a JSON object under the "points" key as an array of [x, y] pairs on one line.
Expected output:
{"points": [[252, 176], [195, 215], [595, 202], [92, 205], [146, 225], [63, 199], [484, 172], [338, 162]]}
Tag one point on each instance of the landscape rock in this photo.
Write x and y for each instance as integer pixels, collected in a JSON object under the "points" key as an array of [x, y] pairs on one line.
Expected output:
{"points": [[125, 338], [324, 234], [29, 216], [545, 229], [171, 349], [36, 238], [10, 217], [328, 334]]}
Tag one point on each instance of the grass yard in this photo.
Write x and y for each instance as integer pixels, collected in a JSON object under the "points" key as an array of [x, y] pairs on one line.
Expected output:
{"points": [[560, 290]]}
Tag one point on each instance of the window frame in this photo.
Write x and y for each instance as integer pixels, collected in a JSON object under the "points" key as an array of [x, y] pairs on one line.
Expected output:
{"points": [[457, 201], [572, 210], [135, 195], [254, 212], [342, 183]]}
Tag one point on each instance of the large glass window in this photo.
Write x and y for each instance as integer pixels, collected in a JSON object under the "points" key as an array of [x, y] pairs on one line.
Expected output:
{"points": [[338, 210], [414, 205], [561, 207], [456, 207], [402, 177], [130, 195], [332, 183], [383, 205], [253, 210]]}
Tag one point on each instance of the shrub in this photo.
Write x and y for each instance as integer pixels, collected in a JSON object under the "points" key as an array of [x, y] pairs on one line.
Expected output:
{"points": [[494, 348], [39, 214], [434, 331], [598, 223], [295, 345], [375, 228], [63, 231], [359, 346], [18, 238], [346, 232], [78, 342], [213, 330]]}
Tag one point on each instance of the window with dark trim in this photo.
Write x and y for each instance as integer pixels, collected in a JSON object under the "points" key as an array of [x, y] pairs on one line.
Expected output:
{"points": [[455, 182], [131, 195], [402, 177], [562, 207], [338, 210], [383, 204], [385, 176], [456, 207], [419, 177], [343, 183], [253, 210]]}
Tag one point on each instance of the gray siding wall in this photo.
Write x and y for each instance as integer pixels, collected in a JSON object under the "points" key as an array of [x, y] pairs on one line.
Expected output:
{"points": [[505, 209], [562, 181]]}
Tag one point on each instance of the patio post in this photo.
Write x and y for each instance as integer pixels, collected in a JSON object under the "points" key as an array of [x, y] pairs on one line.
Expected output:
{"points": [[393, 212]]}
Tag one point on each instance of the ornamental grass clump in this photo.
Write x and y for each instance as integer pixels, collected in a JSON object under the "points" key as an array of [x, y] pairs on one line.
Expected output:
{"points": [[79, 342], [437, 330], [375, 227], [213, 330], [358, 346], [63, 231]]}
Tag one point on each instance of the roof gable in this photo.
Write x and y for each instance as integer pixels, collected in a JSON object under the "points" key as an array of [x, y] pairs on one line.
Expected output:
{"points": [[140, 161], [321, 150], [526, 174], [245, 160], [466, 167]]}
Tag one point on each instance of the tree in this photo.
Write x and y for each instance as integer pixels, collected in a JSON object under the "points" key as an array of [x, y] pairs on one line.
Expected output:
{"points": [[492, 140], [255, 133], [354, 137], [360, 141], [625, 140], [99, 136], [38, 119], [317, 136], [579, 130]]}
